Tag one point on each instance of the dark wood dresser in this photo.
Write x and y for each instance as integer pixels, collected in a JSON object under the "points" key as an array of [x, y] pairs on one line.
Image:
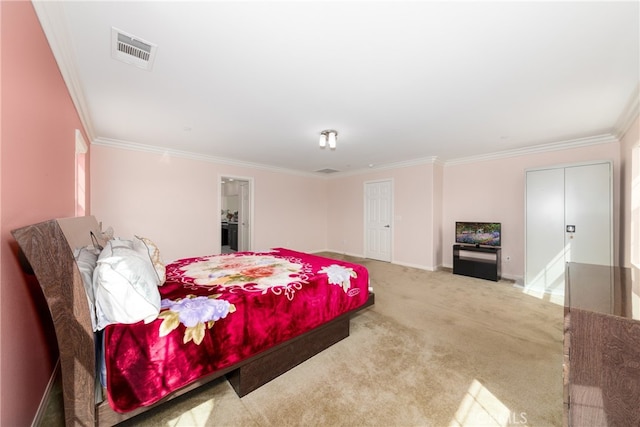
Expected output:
{"points": [[601, 346]]}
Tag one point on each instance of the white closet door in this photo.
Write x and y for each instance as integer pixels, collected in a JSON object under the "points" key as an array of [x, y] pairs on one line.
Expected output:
{"points": [[545, 243], [573, 195], [588, 207]]}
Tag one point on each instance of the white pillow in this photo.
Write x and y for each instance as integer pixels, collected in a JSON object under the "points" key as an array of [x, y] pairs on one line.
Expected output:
{"points": [[124, 285], [147, 247], [87, 259]]}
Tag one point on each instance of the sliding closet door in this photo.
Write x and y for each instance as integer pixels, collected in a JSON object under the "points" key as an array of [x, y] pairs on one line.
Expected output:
{"points": [[588, 207], [568, 219], [545, 243]]}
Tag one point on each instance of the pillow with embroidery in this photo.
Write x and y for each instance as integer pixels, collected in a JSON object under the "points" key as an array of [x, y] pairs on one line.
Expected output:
{"points": [[146, 246]]}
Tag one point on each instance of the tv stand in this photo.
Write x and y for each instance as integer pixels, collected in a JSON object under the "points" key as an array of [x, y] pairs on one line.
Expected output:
{"points": [[477, 261]]}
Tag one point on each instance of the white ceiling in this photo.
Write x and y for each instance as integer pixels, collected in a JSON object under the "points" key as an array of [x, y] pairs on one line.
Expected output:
{"points": [[402, 82]]}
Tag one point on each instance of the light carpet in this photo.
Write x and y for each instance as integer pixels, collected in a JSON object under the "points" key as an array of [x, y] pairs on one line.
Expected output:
{"points": [[436, 349]]}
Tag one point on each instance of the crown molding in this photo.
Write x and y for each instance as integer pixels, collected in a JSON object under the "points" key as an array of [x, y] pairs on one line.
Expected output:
{"points": [[133, 146], [563, 145], [415, 162], [541, 148], [630, 113], [53, 23]]}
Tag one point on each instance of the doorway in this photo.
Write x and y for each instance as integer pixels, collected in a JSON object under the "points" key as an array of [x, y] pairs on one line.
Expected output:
{"points": [[236, 214], [377, 222]]}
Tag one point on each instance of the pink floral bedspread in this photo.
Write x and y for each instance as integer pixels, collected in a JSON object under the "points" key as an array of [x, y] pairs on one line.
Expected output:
{"points": [[219, 310]]}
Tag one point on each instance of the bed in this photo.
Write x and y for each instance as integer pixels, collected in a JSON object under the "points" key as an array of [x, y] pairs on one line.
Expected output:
{"points": [[249, 316]]}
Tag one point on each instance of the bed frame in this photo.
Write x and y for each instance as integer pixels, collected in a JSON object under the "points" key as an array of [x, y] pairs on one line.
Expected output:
{"points": [[48, 248]]}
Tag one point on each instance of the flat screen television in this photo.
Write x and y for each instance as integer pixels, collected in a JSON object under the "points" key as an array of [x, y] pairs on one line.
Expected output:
{"points": [[479, 233]]}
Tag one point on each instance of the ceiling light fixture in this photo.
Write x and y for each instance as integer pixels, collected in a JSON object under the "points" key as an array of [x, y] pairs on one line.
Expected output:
{"points": [[329, 137]]}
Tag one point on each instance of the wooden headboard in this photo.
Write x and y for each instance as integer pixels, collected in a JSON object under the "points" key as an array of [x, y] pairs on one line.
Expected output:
{"points": [[48, 247]]}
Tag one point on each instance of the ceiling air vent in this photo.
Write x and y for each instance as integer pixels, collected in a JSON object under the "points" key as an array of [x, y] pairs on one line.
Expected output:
{"points": [[327, 171], [131, 49]]}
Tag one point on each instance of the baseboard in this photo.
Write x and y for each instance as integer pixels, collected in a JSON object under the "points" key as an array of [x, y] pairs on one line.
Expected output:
{"points": [[534, 290], [418, 266], [44, 402], [337, 251], [404, 264]]}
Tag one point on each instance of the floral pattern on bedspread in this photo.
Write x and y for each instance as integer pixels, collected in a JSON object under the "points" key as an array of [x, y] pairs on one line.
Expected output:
{"points": [[248, 272], [339, 275], [194, 313], [219, 310]]}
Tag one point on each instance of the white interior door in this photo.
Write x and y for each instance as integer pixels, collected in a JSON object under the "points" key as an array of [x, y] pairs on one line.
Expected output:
{"points": [[378, 224]]}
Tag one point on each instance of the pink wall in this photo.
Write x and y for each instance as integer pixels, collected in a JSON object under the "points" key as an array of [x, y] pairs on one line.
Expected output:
{"points": [[290, 211], [162, 196], [494, 190], [629, 141], [429, 198], [38, 183], [414, 213], [176, 202], [438, 199], [130, 190]]}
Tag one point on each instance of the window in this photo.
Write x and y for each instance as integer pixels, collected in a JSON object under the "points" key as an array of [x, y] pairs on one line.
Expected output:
{"points": [[81, 179]]}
